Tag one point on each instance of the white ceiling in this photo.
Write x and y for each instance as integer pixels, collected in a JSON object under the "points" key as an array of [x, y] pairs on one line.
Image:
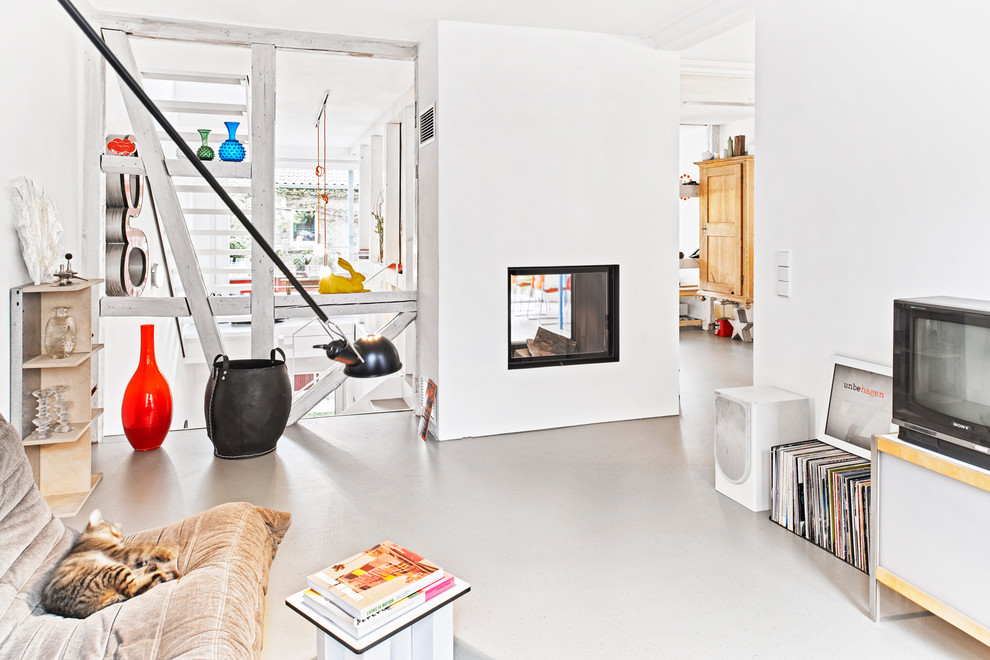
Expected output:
{"points": [[737, 45], [410, 19], [363, 89]]}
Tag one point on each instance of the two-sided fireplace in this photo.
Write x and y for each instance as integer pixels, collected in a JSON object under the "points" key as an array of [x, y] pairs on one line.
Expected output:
{"points": [[563, 315]]}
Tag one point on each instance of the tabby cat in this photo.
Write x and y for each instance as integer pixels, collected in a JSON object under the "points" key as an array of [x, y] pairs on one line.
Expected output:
{"points": [[100, 571]]}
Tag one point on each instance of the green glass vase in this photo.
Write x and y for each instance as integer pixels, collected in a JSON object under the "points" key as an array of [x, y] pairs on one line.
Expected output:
{"points": [[205, 152]]}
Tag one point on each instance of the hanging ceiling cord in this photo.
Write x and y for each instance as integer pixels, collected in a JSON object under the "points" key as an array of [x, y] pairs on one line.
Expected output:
{"points": [[325, 197], [322, 187], [319, 174]]}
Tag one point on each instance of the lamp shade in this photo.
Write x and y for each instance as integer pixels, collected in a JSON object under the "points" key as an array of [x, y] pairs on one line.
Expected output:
{"points": [[381, 358]]}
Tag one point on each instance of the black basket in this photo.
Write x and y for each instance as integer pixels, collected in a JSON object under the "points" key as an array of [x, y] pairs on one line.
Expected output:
{"points": [[247, 405]]}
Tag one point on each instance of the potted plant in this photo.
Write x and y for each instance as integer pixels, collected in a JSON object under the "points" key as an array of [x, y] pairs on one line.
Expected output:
{"points": [[300, 260]]}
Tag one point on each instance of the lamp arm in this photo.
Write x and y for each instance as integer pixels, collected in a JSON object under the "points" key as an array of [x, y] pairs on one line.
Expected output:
{"points": [[150, 106]]}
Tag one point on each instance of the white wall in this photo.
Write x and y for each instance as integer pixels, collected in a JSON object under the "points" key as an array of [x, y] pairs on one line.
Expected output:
{"points": [[527, 120], [40, 135], [869, 170], [430, 287]]}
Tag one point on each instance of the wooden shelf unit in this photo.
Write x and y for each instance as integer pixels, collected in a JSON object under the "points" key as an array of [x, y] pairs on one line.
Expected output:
{"points": [[61, 463], [687, 321], [74, 360]]}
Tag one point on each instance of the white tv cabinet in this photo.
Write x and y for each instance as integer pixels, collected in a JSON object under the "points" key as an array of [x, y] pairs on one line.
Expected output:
{"points": [[931, 533]]}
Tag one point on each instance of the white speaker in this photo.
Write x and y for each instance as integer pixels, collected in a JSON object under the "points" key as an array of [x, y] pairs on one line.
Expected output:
{"points": [[748, 421]]}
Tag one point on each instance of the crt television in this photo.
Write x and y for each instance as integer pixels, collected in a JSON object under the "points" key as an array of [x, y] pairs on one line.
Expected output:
{"points": [[942, 375]]}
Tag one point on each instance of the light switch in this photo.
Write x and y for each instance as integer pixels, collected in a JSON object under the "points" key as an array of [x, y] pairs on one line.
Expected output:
{"points": [[783, 274], [784, 258], [784, 289]]}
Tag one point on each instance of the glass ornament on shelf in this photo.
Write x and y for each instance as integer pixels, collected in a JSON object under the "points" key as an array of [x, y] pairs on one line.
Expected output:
{"points": [[43, 419], [62, 409], [231, 150], [60, 334], [205, 151]]}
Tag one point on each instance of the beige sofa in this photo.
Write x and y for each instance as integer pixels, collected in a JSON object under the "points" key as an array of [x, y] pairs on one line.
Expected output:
{"points": [[216, 610]]}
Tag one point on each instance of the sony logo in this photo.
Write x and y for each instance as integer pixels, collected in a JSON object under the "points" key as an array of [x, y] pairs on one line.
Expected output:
{"points": [[964, 427]]}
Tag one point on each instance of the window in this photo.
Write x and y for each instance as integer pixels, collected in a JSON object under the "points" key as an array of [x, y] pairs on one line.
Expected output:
{"points": [[304, 227]]}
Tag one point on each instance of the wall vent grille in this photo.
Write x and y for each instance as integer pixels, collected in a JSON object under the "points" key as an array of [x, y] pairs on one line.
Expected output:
{"points": [[427, 126]]}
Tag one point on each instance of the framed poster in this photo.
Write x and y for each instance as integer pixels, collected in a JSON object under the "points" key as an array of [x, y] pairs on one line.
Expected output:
{"points": [[431, 397], [857, 404]]}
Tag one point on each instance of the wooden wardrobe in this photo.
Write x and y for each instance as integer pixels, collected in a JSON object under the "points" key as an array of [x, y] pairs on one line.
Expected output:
{"points": [[726, 203]]}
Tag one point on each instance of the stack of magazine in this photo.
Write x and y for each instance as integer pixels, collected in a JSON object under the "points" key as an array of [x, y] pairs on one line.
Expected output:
{"points": [[371, 588], [823, 494]]}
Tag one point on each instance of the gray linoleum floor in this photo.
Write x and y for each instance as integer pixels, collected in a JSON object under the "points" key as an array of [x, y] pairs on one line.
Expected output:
{"points": [[604, 541]]}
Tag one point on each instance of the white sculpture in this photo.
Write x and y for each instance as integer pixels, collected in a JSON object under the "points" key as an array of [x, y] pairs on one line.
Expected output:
{"points": [[38, 228]]}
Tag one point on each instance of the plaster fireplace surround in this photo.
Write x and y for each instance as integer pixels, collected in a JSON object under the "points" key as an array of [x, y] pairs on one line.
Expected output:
{"points": [[562, 315]]}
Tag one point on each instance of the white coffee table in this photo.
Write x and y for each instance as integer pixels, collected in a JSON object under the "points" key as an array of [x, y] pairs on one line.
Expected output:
{"points": [[425, 632]]}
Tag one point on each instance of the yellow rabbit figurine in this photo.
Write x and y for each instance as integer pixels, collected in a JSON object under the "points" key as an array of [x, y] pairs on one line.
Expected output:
{"points": [[340, 284]]}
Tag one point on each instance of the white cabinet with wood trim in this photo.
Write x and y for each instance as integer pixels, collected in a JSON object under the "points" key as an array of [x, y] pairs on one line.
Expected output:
{"points": [[726, 208], [930, 516]]}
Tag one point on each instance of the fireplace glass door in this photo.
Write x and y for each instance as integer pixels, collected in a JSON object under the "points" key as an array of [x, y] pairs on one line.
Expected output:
{"points": [[563, 315]]}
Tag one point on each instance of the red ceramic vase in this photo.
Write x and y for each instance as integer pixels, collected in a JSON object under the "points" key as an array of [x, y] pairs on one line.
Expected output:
{"points": [[147, 408]]}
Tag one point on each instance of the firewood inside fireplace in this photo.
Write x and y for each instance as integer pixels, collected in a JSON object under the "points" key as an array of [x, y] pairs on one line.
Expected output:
{"points": [[550, 343]]}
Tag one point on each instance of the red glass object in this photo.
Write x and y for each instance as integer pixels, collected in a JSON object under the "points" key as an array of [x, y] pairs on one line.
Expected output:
{"points": [[147, 408]]}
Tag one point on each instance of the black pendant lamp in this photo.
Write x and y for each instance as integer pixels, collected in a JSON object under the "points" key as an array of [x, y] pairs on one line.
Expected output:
{"points": [[378, 356], [368, 357]]}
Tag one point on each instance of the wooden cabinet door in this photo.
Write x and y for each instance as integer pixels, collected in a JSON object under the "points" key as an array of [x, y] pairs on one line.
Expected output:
{"points": [[721, 197]]}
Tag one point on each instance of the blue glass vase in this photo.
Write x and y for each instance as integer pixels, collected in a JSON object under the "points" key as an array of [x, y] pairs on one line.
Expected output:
{"points": [[231, 149]]}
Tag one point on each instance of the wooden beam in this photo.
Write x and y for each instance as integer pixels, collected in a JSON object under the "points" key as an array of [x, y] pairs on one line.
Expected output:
{"points": [[167, 202], [347, 310], [93, 262], [147, 307], [198, 108], [194, 76], [334, 377], [410, 155], [177, 167], [710, 19], [262, 198], [365, 224], [393, 165], [241, 35], [718, 90], [292, 306], [410, 149]]}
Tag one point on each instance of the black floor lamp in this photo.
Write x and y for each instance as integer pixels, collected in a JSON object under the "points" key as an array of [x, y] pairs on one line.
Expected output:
{"points": [[367, 357]]}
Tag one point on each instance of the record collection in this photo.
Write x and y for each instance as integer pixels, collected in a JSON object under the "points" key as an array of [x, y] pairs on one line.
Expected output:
{"points": [[823, 494]]}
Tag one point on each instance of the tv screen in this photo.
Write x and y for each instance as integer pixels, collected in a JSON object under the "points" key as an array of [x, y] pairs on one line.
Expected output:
{"points": [[949, 371], [859, 404]]}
